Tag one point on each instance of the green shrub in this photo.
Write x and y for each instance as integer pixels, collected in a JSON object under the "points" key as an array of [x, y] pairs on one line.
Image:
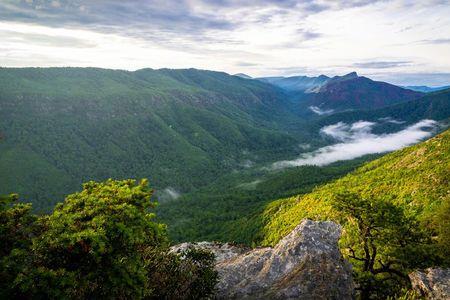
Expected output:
{"points": [[101, 243]]}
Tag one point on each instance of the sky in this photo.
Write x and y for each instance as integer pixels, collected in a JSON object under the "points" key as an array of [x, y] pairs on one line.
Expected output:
{"points": [[398, 41]]}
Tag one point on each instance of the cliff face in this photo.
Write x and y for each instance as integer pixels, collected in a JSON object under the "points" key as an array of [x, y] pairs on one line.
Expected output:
{"points": [[306, 264]]}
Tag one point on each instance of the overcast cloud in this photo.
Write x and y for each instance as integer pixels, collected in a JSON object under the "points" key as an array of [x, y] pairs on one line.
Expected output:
{"points": [[261, 38], [357, 140]]}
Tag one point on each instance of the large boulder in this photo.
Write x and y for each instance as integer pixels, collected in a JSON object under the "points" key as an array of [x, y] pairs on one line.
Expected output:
{"points": [[306, 264], [433, 283]]}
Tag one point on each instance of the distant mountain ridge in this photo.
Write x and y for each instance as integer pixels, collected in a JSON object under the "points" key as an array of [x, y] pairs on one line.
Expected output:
{"points": [[242, 75], [435, 106], [357, 92], [297, 83], [325, 95], [426, 89]]}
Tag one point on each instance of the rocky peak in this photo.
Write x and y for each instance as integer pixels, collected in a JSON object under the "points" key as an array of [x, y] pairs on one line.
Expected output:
{"points": [[306, 264]]}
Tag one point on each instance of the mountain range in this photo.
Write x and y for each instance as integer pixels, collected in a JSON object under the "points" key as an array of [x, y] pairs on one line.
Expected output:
{"points": [[231, 159], [186, 130], [426, 89]]}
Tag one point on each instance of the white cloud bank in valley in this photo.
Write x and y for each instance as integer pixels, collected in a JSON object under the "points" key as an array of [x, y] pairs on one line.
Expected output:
{"points": [[357, 140]]}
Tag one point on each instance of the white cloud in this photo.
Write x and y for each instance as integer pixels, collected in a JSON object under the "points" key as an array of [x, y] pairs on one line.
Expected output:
{"points": [[344, 132], [304, 146], [250, 185], [319, 111], [247, 163], [357, 140], [169, 193], [390, 120], [272, 38]]}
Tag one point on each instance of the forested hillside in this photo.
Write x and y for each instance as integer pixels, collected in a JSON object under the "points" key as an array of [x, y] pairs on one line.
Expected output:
{"points": [[63, 126], [435, 106], [417, 178], [394, 210], [216, 211], [185, 130]]}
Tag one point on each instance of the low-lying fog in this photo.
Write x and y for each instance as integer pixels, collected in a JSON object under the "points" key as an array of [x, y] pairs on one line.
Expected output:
{"points": [[356, 140]]}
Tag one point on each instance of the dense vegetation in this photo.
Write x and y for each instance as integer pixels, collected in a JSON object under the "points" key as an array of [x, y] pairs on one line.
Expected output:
{"points": [[217, 211], [101, 243], [176, 127], [403, 196], [208, 137], [435, 106], [179, 128]]}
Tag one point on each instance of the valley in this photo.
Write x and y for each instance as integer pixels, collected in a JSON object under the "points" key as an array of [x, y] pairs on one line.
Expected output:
{"points": [[232, 159], [216, 148], [199, 149]]}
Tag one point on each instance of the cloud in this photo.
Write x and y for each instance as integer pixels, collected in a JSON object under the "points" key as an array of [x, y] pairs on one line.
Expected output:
{"points": [[308, 34], [319, 111], [169, 193], [245, 64], [304, 146], [382, 64], [219, 34], [404, 79], [160, 18], [250, 185], [435, 41], [356, 140], [11, 36], [390, 120], [145, 19], [344, 132], [247, 163]]}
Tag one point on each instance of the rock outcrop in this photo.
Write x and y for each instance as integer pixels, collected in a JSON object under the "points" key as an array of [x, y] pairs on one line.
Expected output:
{"points": [[306, 264], [433, 283]]}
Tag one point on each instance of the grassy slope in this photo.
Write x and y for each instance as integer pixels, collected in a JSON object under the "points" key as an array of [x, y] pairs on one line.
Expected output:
{"points": [[416, 177]]}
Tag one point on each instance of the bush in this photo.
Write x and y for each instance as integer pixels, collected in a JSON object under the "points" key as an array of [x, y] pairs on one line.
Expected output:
{"points": [[102, 242]]}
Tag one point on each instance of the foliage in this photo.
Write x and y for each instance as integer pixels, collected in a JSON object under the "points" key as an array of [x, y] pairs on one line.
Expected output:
{"points": [[176, 127], [17, 227], [103, 242], [411, 184], [179, 128], [186, 275], [381, 241], [221, 210]]}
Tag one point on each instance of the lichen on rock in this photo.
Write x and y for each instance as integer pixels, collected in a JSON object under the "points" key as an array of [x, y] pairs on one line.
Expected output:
{"points": [[433, 283]]}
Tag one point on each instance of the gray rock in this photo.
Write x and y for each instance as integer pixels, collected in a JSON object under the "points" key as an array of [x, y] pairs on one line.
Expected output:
{"points": [[433, 283], [221, 251], [306, 264]]}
